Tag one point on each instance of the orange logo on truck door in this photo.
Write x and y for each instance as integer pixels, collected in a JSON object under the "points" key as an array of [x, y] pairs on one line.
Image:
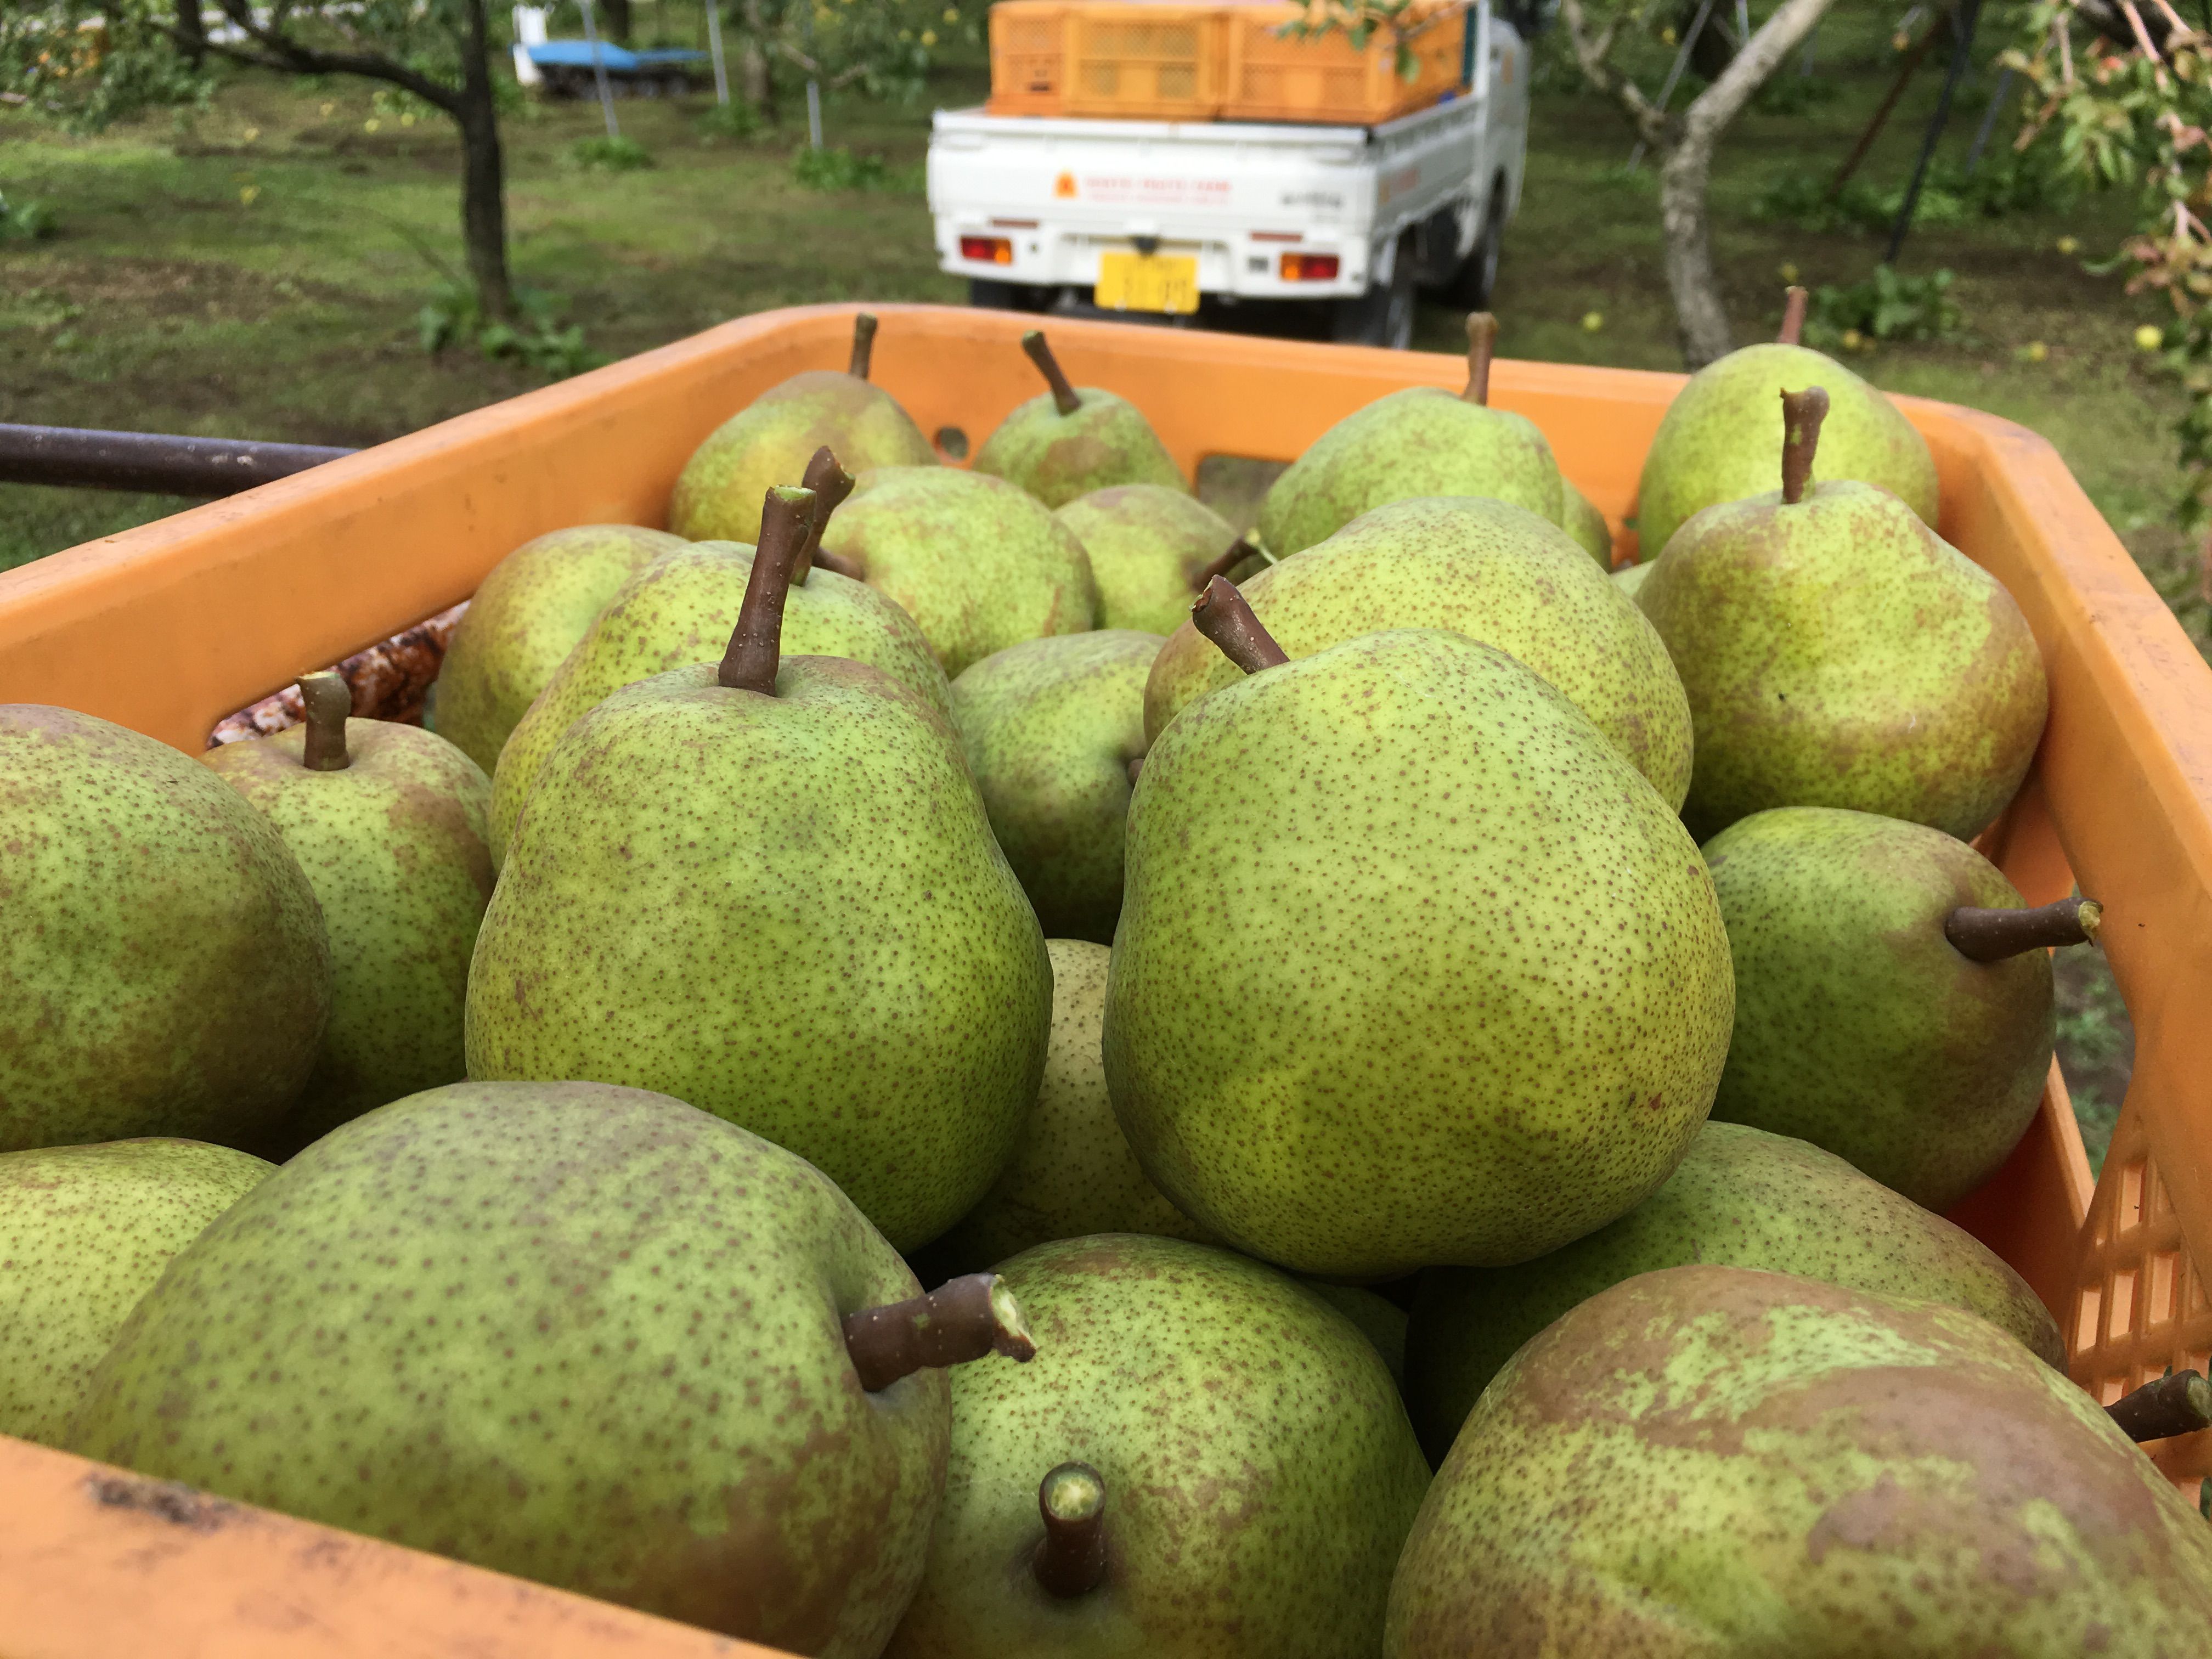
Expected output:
{"points": [[1064, 186]]}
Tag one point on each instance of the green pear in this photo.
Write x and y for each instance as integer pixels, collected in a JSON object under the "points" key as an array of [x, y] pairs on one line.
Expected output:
{"points": [[767, 443], [582, 1334], [1069, 440], [1742, 1198], [1050, 726], [1836, 652], [164, 970], [679, 611], [1072, 1173], [1413, 968], [389, 823], [1585, 524], [1245, 1474], [1718, 442], [1152, 551], [767, 886], [84, 1233], [526, 615], [1735, 1464], [1419, 441], [978, 564], [1380, 1319], [1863, 1023], [1495, 573], [1630, 578]]}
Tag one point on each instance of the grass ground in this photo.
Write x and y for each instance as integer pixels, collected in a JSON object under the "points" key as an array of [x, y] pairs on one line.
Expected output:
{"points": [[257, 269]]}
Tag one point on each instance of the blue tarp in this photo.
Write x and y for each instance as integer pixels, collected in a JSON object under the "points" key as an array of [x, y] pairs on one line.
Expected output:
{"points": [[619, 60]]}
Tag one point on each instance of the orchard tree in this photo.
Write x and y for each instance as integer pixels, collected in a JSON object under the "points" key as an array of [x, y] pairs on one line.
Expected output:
{"points": [[884, 47]]}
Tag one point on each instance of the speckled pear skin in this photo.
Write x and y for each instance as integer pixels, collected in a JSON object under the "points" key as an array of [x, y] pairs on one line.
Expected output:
{"points": [[1715, 1461], [719, 494], [1721, 439], [1057, 457], [680, 611], [583, 1334], [164, 969], [788, 911], [1858, 1027], [1630, 578], [1585, 524], [1481, 568], [1413, 967], [1742, 1198], [1381, 1321], [977, 563], [1049, 728], [526, 615], [1421, 441], [1259, 1472], [1147, 544], [1072, 1173], [84, 1233], [395, 847], [1838, 652]]}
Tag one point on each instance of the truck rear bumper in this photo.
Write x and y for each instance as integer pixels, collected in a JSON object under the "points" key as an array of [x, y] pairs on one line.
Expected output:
{"points": [[1038, 254]]}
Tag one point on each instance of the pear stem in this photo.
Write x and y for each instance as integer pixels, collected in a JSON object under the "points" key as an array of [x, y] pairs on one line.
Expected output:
{"points": [[757, 642], [1992, 935], [863, 345], [328, 699], [1223, 617], [2179, 1404], [839, 565], [830, 483], [1793, 315], [1238, 552], [961, 1319], [1063, 395], [1072, 1559], [1481, 343], [1136, 765], [1801, 414]]}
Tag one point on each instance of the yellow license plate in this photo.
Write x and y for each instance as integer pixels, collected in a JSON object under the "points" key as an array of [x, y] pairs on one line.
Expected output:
{"points": [[1146, 282]]}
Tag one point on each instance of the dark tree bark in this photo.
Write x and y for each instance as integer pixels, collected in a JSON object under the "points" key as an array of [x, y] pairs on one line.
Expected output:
{"points": [[191, 33], [618, 24], [754, 81]]}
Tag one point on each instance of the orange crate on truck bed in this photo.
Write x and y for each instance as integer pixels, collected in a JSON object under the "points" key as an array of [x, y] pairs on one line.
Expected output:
{"points": [[1144, 62], [1278, 78], [170, 627], [1028, 54]]}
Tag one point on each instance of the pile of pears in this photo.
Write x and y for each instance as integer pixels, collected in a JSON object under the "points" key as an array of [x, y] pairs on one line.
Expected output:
{"points": [[971, 1064]]}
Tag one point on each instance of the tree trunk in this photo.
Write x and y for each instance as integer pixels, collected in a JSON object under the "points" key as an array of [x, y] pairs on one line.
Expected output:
{"points": [[754, 82], [1700, 317], [483, 190], [191, 33], [617, 20]]}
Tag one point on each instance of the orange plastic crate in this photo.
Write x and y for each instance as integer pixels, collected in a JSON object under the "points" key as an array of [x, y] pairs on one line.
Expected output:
{"points": [[1274, 77], [1028, 53], [1144, 62], [169, 627]]}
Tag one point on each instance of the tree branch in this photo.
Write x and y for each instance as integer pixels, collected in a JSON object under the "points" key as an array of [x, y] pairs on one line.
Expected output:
{"points": [[1772, 41], [1592, 56], [284, 52]]}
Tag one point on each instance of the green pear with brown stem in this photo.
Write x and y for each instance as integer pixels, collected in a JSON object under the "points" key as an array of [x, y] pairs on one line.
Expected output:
{"points": [[767, 886], [1204, 1459], [1070, 440], [1894, 994], [1836, 652], [390, 822], [164, 969], [84, 1233], [1742, 1198], [1421, 441], [526, 616], [768, 442], [626, 1348], [1152, 551]]}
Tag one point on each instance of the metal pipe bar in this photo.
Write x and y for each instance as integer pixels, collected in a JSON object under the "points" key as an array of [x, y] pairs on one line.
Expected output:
{"points": [[169, 465]]}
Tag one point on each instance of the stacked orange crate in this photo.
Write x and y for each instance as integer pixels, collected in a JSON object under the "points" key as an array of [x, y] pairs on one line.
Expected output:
{"points": [[1027, 57], [1145, 62], [1273, 76]]}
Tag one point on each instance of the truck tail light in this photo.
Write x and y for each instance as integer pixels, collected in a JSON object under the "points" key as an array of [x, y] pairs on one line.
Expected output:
{"points": [[1310, 267], [991, 250]]}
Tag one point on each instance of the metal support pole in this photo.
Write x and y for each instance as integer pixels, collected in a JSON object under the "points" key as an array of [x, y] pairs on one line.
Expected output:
{"points": [[83, 458], [714, 48], [599, 70], [1989, 122], [1674, 73], [1961, 48]]}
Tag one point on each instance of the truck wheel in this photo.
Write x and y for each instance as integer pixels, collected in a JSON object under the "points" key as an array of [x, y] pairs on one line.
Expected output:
{"points": [[1383, 316], [1477, 276]]}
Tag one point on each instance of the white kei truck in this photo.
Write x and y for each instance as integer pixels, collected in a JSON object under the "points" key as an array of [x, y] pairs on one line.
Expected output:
{"points": [[1154, 219]]}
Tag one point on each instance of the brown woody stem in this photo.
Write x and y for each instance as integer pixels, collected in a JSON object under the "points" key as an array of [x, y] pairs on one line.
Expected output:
{"points": [[1063, 395], [847, 568], [959, 1320], [1238, 552], [1481, 343], [2179, 1404], [1793, 315], [1136, 765], [1801, 414], [1993, 935], [830, 483], [757, 642], [1070, 1560], [328, 699], [1223, 617], [863, 345]]}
